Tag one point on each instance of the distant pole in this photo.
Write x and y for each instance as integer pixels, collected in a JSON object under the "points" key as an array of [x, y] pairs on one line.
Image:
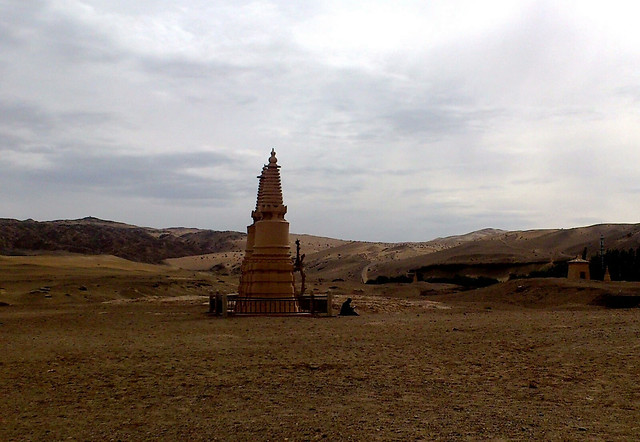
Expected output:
{"points": [[602, 252]]}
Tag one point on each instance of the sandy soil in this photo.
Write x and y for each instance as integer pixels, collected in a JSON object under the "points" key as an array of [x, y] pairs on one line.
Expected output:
{"points": [[136, 357], [149, 369]]}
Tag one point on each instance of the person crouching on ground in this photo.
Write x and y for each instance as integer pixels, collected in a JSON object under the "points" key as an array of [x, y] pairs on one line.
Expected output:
{"points": [[347, 309]]}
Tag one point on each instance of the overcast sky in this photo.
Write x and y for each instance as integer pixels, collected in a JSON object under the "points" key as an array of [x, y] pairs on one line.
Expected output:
{"points": [[392, 120]]}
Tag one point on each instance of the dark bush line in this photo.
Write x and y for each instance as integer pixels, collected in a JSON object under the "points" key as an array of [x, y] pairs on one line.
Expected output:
{"points": [[557, 270], [618, 301], [390, 279], [463, 281], [624, 265], [470, 282]]}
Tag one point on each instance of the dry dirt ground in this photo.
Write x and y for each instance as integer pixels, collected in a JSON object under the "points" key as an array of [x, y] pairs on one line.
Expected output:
{"points": [[110, 363]]}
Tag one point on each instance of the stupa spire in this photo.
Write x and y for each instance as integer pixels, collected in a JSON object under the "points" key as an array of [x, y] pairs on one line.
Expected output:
{"points": [[270, 189], [256, 214]]}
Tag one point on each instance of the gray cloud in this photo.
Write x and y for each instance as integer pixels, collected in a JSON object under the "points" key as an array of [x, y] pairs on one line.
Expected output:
{"points": [[384, 131], [164, 177], [23, 115], [18, 116]]}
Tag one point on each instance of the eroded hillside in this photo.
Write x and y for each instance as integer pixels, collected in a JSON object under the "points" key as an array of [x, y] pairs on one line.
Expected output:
{"points": [[488, 252]]}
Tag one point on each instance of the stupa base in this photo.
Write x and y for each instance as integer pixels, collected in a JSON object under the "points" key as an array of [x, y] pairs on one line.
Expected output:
{"points": [[266, 305]]}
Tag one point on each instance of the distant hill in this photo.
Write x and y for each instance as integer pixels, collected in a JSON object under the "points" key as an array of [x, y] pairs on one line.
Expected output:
{"points": [[93, 236], [488, 252], [500, 253]]}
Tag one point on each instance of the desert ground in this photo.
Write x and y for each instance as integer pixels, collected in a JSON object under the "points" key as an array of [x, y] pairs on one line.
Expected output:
{"points": [[99, 348]]}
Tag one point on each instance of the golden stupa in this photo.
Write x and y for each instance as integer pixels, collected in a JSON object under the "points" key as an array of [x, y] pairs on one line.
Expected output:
{"points": [[266, 283]]}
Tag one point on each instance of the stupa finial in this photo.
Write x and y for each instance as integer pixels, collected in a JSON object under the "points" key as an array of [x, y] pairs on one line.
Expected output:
{"points": [[273, 159]]}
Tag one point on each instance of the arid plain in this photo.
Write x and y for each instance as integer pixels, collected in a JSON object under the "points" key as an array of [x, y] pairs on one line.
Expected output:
{"points": [[102, 348]]}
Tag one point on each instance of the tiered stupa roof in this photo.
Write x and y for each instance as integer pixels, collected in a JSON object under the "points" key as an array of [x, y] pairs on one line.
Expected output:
{"points": [[270, 187]]}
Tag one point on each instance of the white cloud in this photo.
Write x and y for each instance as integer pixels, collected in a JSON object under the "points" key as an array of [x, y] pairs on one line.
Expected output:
{"points": [[401, 121]]}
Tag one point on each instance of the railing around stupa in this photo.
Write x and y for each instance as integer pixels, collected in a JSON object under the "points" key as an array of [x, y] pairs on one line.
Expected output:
{"points": [[233, 304]]}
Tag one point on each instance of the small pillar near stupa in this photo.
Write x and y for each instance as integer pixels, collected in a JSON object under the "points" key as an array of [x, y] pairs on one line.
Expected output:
{"points": [[267, 284]]}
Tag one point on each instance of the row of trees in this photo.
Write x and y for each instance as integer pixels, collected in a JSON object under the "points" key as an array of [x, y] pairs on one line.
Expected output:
{"points": [[624, 265]]}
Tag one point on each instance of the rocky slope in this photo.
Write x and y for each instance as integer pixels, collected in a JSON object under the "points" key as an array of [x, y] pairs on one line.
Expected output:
{"points": [[92, 236]]}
